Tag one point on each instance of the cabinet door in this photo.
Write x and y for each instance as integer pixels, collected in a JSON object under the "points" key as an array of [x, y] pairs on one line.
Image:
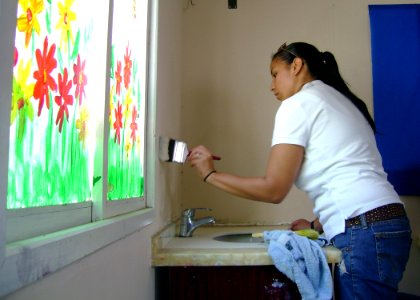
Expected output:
{"points": [[206, 283]]}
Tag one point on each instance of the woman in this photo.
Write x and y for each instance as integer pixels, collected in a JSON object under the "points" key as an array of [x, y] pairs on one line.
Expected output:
{"points": [[323, 141]]}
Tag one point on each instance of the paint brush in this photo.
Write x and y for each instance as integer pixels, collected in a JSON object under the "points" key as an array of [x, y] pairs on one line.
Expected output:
{"points": [[171, 150]]}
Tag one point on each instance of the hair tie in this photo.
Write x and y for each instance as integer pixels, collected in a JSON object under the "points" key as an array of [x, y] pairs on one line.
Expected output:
{"points": [[324, 58]]}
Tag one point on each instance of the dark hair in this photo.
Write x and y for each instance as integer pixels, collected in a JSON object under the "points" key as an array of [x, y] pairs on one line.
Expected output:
{"points": [[323, 66]]}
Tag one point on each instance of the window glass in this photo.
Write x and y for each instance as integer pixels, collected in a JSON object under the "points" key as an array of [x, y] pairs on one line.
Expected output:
{"points": [[127, 100], [58, 101], [58, 90]]}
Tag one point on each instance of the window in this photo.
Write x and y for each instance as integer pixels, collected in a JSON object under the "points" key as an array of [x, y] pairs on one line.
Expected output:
{"points": [[77, 105]]}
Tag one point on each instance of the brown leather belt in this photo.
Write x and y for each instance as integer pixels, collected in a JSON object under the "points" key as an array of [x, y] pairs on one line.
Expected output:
{"points": [[382, 213]]}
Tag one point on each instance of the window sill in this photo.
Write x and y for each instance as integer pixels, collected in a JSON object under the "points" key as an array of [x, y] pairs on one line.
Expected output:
{"points": [[30, 260]]}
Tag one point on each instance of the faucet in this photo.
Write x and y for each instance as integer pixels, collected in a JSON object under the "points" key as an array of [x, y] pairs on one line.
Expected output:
{"points": [[188, 224]]}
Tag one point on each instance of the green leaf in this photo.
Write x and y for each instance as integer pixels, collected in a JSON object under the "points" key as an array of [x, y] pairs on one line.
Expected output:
{"points": [[21, 125], [60, 59], [48, 21], [76, 46], [96, 179], [112, 61], [30, 111], [14, 101]]}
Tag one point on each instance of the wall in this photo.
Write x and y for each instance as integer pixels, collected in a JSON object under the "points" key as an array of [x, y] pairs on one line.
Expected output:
{"points": [[123, 269], [221, 74], [227, 103]]}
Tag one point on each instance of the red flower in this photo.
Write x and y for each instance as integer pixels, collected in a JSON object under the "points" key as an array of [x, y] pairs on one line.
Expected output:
{"points": [[118, 122], [118, 77], [64, 86], [46, 64], [133, 124], [16, 56], [79, 79], [127, 68]]}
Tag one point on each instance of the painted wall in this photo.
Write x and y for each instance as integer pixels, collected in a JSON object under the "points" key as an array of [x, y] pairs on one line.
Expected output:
{"points": [[213, 89]]}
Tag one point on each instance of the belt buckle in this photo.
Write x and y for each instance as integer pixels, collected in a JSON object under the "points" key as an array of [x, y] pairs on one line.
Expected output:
{"points": [[357, 221], [353, 221]]}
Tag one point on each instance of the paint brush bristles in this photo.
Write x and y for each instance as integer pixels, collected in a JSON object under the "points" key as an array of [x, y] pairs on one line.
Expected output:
{"points": [[171, 150], [166, 146]]}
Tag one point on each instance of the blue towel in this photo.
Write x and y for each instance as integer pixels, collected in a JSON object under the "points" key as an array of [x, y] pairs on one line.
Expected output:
{"points": [[302, 261]]}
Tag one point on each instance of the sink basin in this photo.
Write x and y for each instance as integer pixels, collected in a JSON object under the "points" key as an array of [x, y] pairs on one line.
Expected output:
{"points": [[239, 238]]}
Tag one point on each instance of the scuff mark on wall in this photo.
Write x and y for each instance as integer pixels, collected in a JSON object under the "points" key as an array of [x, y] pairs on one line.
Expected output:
{"points": [[26, 270]]}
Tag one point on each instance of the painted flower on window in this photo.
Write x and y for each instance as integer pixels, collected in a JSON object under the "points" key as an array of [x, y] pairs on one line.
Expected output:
{"points": [[127, 67], [16, 57], [64, 99], [81, 124], [64, 24], [111, 106], [133, 125], [44, 81], [79, 79], [28, 21], [127, 148], [128, 101], [21, 95], [118, 78], [118, 124]]}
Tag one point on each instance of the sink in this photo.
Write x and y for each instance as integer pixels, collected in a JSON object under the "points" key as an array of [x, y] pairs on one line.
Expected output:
{"points": [[239, 238]]}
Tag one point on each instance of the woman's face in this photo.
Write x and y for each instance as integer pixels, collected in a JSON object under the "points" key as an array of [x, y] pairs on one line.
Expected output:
{"points": [[282, 79]]}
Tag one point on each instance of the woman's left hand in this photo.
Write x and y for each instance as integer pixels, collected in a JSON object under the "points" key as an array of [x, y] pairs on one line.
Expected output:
{"points": [[300, 224], [201, 159]]}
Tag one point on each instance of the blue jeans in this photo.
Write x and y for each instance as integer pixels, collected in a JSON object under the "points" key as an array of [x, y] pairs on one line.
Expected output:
{"points": [[374, 259]]}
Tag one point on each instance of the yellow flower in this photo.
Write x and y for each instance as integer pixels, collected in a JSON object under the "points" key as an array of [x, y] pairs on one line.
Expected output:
{"points": [[127, 148], [138, 141], [66, 17], [23, 74], [111, 109], [21, 95], [127, 103], [28, 20], [81, 124]]}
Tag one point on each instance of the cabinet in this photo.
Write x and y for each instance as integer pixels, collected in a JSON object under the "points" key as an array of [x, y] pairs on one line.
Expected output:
{"points": [[224, 282]]}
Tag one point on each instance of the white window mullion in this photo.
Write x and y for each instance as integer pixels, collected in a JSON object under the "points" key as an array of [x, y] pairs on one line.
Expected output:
{"points": [[101, 153]]}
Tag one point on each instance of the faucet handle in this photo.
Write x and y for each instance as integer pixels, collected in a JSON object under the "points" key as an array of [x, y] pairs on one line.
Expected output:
{"points": [[189, 212]]}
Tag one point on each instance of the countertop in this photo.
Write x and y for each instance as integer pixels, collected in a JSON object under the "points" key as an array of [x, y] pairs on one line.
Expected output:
{"points": [[202, 250]]}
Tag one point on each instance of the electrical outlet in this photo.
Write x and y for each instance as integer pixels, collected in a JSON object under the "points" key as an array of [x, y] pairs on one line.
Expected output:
{"points": [[232, 4]]}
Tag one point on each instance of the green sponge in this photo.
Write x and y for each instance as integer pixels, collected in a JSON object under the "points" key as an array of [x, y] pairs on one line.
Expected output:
{"points": [[309, 233]]}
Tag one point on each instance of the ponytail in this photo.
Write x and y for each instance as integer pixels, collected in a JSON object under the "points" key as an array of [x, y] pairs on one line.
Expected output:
{"points": [[332, 77], [323, 66]]}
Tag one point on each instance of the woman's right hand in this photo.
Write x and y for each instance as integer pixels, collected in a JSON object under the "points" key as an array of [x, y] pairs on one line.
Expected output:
{"points": [[201, 159]]}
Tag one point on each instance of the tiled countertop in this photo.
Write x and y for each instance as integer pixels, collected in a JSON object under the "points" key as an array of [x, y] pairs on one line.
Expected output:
{"points": [[202, 250]]}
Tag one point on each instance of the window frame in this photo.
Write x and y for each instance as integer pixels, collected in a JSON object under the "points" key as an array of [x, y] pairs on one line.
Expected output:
{"points": [[48, 252]]}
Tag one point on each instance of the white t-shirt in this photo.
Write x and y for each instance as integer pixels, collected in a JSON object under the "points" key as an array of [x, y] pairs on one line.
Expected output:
{"points": [[342, 169]]}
